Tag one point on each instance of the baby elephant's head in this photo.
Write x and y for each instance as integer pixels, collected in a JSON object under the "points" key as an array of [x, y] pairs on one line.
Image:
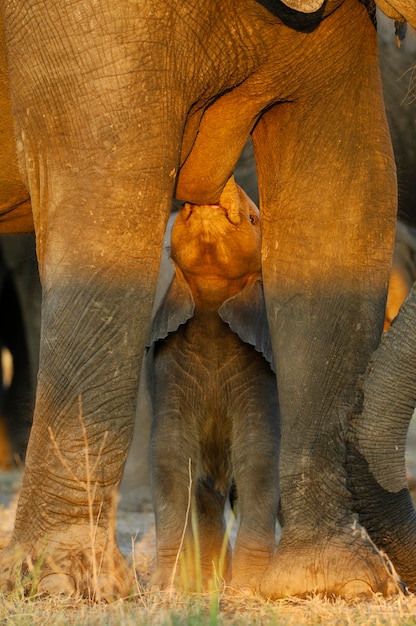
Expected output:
{"points": [[221, 240]]}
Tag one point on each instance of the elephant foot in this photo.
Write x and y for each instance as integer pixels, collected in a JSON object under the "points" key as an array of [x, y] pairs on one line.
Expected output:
{"points": [[249, 566], [347, 566], [191, 574], [181, 581], [65, 564], [186, 580], [245, 585], [163, 580]]}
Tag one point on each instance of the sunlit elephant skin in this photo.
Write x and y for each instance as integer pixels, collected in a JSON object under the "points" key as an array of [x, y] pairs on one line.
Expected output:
{"points": [[214, 400], [119, 106], [15, 207]]}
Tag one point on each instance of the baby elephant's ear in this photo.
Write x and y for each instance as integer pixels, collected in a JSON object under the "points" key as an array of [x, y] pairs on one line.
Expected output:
{"points": [[245, 313], [177, 307]]}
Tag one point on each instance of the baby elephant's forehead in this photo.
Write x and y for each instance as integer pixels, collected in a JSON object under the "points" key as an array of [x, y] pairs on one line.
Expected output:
{"points": [[245, 199]]}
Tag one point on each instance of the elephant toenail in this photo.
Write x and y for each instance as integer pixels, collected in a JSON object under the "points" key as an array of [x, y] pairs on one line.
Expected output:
{"points": [[55, 584]]}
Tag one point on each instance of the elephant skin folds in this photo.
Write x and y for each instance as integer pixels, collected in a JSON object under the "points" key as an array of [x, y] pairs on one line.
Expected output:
{"points": [[384, 409], [348, 566], [71, 564], [117, 106]]}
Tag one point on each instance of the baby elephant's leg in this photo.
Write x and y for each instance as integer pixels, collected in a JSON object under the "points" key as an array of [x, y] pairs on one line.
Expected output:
{"points": [[173, 490], [255, 463], [214, 546]]}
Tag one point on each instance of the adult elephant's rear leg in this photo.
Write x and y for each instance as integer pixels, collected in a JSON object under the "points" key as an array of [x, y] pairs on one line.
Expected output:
{"points": [[98, 280], [328, 214], [100, 161]]}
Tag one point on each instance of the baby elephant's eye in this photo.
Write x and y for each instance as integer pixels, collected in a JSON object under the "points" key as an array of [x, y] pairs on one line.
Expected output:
{"points": [[253, 219]]}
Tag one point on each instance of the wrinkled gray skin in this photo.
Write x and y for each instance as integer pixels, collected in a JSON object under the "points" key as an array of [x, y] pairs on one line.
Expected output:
{"points": [[118, 107], [214, 398], [396, 71], [384, 409]]}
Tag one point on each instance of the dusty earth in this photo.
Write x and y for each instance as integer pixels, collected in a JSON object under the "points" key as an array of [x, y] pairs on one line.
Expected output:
{"points": [[135, 530]]}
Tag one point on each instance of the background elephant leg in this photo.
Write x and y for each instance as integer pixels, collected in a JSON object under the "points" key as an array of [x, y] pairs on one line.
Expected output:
{"points": [[377, 442], [23, 321], [20, 256], [328, 203], [17, 398]]}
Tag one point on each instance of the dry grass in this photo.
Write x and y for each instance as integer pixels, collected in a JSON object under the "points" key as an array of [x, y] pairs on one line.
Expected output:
{"points": [[159, 610], [167, 609], [170, 609]]}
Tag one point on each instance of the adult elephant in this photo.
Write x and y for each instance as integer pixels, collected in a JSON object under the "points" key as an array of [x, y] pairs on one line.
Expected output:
{"points": [[119, 106], [384, 409]]}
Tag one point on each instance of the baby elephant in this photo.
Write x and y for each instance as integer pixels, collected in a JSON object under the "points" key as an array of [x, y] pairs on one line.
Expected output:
{"points": [[214, 396]]}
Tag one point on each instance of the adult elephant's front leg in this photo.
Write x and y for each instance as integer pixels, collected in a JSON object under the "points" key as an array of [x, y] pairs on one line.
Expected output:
{"points": [[328, 214], [98, 279]]}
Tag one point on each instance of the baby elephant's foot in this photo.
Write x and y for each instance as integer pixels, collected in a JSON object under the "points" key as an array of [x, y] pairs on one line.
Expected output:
{"points": [[191, 573], [242, 589], [66, 564], [183, 580], [251, 559], [246, 583], [163, 579]]}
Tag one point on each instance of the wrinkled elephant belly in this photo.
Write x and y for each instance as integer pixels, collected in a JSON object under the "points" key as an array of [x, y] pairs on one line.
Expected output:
{"points": [[213, 391]]}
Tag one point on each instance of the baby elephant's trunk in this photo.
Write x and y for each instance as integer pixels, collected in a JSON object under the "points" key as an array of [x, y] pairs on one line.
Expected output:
{"points": [[231, 202]]}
